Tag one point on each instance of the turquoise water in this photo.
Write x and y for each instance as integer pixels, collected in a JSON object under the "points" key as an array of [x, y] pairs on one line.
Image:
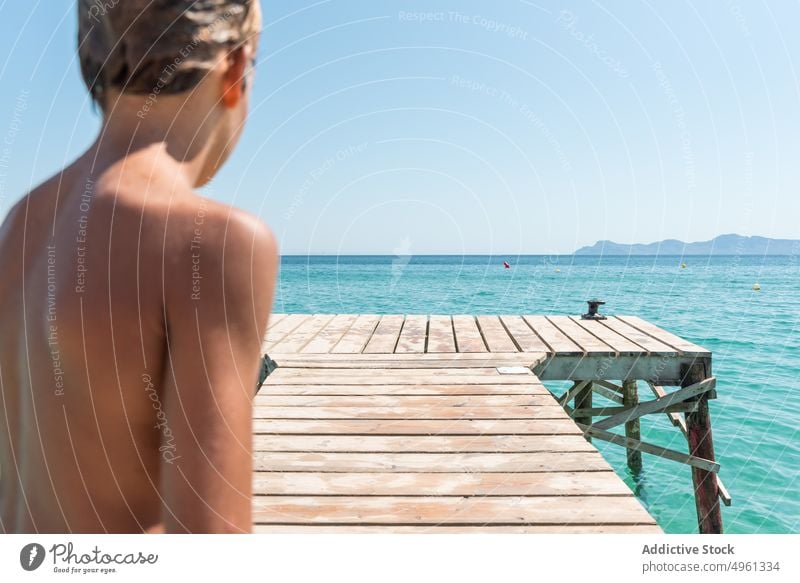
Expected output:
{"points": [[754, 336]]}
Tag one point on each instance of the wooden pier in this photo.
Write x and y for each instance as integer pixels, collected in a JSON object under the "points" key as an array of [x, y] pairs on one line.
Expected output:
{"points": [[441, 423]]}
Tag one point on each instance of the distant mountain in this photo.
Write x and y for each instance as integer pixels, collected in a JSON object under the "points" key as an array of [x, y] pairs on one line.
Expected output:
{"points": [[722, 245]]}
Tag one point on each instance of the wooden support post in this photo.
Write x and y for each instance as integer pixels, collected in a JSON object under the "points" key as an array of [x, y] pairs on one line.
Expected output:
{"points": [[630, 398], [584, 401], [701, 444]]}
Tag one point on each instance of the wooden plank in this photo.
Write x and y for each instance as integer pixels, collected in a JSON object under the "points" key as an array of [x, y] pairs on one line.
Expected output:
{"points": [[400, 365], [589, 343], [301, 335], [541, 412], [496, 336], [440, 484], [468, 336], [404, 401], [416, 427], [685, 347], [385, 336], [400, 361], [403, 389], [419, 374], [617, 342], [382, 377], [650, 344], [357, 336], [413, 335], [277, 332], [274, 319], [423, 443], [552, 510], [330, 335], [367, 359], [450, 529], [558, 342], [440, 335], [333, 376], [429, 462], [524, 336]]}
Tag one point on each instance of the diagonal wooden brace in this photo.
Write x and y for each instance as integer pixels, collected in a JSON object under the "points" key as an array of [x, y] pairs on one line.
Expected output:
{"points": [[573, 392], [607, 393], [657, 405], [603, 411], [609, 385], [659, 451]]}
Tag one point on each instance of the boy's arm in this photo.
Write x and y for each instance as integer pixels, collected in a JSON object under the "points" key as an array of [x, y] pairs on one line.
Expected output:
{"points": [[218, 293]]}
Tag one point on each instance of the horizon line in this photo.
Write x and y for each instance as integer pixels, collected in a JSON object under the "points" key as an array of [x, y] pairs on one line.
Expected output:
{"points": [[536, 255]]}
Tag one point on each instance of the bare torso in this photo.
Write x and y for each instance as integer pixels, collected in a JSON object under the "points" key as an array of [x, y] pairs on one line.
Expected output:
{"points": [[83, 350]]}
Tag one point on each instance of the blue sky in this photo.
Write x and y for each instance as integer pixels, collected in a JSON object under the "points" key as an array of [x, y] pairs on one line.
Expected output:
{"points": [[472, 127]]}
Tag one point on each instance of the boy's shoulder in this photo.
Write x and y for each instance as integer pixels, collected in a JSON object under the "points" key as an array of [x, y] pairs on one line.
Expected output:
{"points": [[178, 220], [214, 243]]}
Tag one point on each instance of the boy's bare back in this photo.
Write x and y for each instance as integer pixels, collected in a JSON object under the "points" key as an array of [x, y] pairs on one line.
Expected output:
{"points": [[133, 312]]}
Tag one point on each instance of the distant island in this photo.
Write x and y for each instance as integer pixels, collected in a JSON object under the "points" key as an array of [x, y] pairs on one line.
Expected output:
{"points": [[722, 245]]}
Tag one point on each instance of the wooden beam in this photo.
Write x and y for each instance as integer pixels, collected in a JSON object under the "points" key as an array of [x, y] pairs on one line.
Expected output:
{"points": [[610, 395], [604, 411], [670, 454], [724, 495], [676, 419], [658, 405], [575, 390], [662, 370], [609, 385]]}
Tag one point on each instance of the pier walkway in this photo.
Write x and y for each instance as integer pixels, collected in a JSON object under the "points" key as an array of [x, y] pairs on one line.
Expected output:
{"points": [[441, 424]]}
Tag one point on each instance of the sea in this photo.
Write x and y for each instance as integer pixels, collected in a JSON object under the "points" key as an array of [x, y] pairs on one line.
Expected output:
{"points": [[745, 309]]}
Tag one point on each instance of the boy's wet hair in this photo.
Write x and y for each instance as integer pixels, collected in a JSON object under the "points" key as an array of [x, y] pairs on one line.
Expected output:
{"points": [[142, 46]]}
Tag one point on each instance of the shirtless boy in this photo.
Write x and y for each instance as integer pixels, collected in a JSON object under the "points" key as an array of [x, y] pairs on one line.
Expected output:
{"points": [[132, 309]]}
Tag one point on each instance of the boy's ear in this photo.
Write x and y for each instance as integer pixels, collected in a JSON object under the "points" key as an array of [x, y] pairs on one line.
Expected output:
{"points": [[233, 80]]}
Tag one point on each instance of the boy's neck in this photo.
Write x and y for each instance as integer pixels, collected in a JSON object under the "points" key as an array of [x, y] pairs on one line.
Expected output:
{"points": [[172, 132]]}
